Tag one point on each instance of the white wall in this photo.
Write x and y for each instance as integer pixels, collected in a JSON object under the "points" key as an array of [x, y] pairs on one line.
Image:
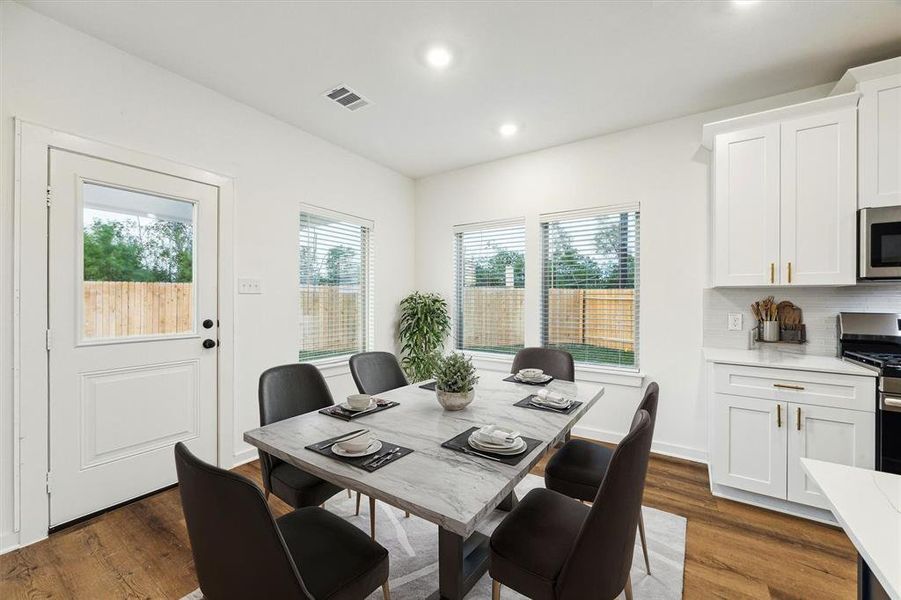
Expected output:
{"points": [[54, 76], [662, 167]]}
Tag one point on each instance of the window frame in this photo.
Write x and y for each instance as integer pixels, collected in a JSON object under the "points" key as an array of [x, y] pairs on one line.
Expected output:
{"points": [[546, 219], [367, 279]]}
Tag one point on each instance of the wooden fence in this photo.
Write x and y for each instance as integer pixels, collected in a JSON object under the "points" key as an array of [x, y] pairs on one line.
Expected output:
{"points": [[123, 308], [329, 319]]}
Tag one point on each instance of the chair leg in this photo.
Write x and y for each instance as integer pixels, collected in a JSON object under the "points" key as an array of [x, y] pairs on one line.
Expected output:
{"points": [[628, 589], [407, 514], [495, 589], [372, 518], [358, 505], [644, 543], [386, 592], [266, 494], [349, 495]]}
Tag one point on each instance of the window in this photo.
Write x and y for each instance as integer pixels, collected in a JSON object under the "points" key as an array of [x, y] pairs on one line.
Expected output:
{"points": [[335, 285], [490, 287], [589, 285]]}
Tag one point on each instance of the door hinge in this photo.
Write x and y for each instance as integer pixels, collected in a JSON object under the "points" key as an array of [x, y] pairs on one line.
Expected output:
{"points": [[48, 196], [48, 483], [48, 339]]}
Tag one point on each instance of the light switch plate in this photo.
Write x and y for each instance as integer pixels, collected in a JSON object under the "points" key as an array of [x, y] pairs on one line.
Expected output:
{"points": [[734, 322], [250, 286]]}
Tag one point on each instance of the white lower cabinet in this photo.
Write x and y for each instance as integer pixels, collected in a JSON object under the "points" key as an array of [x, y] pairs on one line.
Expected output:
{"points": [[759, 435]]}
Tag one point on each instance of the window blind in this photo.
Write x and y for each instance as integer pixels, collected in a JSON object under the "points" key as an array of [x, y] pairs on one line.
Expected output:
{"points": [[335, 286], [589, 285], [490, 287]]}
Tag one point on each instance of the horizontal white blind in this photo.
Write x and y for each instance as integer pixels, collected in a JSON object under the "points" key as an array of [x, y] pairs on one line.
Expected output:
{"points": [[589, 286], [490, 288], [335, 287]]}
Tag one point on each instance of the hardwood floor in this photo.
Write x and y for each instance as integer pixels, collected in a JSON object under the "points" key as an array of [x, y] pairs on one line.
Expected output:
{"points": [[732, 550]]}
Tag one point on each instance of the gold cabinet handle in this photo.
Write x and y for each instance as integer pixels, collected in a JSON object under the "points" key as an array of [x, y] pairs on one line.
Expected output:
{"points": [[798, 419], [789, 271], [778, 415], [772, 272], [786, 386]]}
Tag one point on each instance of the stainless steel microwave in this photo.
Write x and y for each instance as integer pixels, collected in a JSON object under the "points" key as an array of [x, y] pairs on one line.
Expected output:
{"points": [[880, 243]]}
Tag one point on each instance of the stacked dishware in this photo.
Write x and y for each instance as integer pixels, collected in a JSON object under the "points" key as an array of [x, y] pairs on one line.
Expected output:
{"points": [[497, 440], [356, 445], [548, 399], [532, 376]]}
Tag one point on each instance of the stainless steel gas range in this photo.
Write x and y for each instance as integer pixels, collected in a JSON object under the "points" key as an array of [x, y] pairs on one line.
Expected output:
{"points": [[873, 340]]}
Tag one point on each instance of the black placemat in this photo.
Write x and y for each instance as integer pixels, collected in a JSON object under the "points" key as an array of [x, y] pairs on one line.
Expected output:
{"points": [[526, 403], [360, 462], [348, 415], [513, 379], [429, 386], [460, 443]]}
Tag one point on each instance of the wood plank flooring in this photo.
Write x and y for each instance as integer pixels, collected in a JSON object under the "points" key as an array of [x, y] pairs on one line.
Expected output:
{"points": [[732, 550]]}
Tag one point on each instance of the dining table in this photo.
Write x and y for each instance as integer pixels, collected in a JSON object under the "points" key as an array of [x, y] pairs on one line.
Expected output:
{"points": [[452, 489]]}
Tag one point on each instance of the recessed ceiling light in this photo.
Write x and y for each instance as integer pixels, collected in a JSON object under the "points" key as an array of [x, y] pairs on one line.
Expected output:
{"points": [[439, 57], [508, 129], [744, 3]]}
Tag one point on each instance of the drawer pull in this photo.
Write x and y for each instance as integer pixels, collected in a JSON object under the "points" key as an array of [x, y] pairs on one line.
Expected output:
{"points": [[778, 415], [789, 271], [786, 386], [772, 272], [799, 419]]}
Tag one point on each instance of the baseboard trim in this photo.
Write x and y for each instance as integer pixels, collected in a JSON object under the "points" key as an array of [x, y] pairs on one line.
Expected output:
{"points": [[243, 457], [9, 541], [677, 451]]}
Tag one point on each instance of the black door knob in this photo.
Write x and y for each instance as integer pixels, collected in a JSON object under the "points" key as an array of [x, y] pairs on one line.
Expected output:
{"points": [[208, 343], [207, 323]]}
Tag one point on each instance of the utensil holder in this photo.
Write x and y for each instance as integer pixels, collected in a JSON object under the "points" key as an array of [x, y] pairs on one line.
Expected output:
{"points": [[770, 331]]}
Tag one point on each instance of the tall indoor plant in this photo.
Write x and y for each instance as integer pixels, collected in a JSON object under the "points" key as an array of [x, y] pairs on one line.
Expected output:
{"points": [[424, 325]]}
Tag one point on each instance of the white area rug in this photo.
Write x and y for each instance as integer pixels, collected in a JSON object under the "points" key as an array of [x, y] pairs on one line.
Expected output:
{"points": [[413, 547]]}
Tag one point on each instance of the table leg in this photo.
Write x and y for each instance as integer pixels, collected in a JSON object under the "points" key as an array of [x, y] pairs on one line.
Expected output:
{"points": [[508, 503], [461, 562]]}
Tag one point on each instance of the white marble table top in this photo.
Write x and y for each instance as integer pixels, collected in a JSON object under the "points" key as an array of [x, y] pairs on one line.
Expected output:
{"points": [[445, 487]]}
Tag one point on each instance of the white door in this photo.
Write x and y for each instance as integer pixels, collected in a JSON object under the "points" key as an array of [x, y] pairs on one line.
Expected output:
{"points": [[880, 142], [835, 435], [746, 192], [819, 199], [749, 452], [132, 283]]}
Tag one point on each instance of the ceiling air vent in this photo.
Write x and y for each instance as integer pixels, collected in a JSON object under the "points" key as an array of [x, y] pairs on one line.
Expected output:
{"points": [[347, 98]]}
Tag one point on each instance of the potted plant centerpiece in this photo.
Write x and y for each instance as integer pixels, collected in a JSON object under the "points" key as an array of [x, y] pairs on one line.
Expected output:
{"points": [[455, 380]]}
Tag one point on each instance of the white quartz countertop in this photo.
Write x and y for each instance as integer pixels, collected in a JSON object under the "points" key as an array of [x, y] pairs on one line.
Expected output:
{"points": [[867, 504], [778, 359]]}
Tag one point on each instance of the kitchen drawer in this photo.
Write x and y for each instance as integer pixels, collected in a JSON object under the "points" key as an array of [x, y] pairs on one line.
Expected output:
{"points": [[801, 387]]}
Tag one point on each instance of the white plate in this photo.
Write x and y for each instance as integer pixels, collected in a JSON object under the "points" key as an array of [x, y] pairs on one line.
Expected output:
{"points": [[374, 447], [347, 406], [512, 451], [541, 379]]}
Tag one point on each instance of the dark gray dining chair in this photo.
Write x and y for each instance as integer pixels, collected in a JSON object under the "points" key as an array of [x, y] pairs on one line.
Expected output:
{"points": [[240, 551], [288, 391], [551, 548], [578, 468], [556, 363], [374, 373]]}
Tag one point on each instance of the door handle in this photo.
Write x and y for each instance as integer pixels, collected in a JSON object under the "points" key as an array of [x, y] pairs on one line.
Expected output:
{"points": [[778, 415], [786, 386], [798, 419], [772, 272], [789, 271], [208, 323], [208, 343]]}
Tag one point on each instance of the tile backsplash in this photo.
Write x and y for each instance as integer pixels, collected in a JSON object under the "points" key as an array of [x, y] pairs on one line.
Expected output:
{"points": [[820, 306]]}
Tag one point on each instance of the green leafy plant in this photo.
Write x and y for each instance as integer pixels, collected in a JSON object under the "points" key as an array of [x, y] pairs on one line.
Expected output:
{"points": [[454, 373], [424, 325]]}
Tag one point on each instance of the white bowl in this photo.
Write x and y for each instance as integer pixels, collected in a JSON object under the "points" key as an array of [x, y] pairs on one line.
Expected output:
{"points": [[359, 401], [530, 373], [357, 444]]}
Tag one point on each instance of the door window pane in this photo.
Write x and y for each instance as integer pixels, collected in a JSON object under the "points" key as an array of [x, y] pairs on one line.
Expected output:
{"points": [[138, 252]]}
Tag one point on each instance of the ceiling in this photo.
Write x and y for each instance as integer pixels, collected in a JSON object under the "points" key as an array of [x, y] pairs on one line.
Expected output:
{"points": [[563, 71]]}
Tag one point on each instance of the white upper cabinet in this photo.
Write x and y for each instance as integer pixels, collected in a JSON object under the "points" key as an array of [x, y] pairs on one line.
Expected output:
{"points": [[880, 142], [818, 208], [747, 206]]}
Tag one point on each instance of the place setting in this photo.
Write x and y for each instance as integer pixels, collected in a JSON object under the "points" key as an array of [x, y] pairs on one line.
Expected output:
{"points": [[530, 377], [357, 405], [360, 449], [549, 400], [493, 442]]}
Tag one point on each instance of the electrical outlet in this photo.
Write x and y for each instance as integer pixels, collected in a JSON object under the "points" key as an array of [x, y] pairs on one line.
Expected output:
{"points": [[734, 322], [250, 286]]}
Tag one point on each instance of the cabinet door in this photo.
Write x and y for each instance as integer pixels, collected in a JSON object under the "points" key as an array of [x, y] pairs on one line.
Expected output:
{"points": [[746, 201], [834, 435], [819, 202], [749, 444], [880, 142]]}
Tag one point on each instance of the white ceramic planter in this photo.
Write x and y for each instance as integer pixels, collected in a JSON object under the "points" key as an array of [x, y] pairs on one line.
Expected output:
{"points": [[455, 400]]}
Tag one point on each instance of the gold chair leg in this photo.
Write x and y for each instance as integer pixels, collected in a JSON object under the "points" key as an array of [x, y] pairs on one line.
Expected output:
{"points": [[495, 589], [358, 505], [407, 514], [644, 543], [349, 495], [266, 494], [372, 518], [386, 593], [628, 589]]}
